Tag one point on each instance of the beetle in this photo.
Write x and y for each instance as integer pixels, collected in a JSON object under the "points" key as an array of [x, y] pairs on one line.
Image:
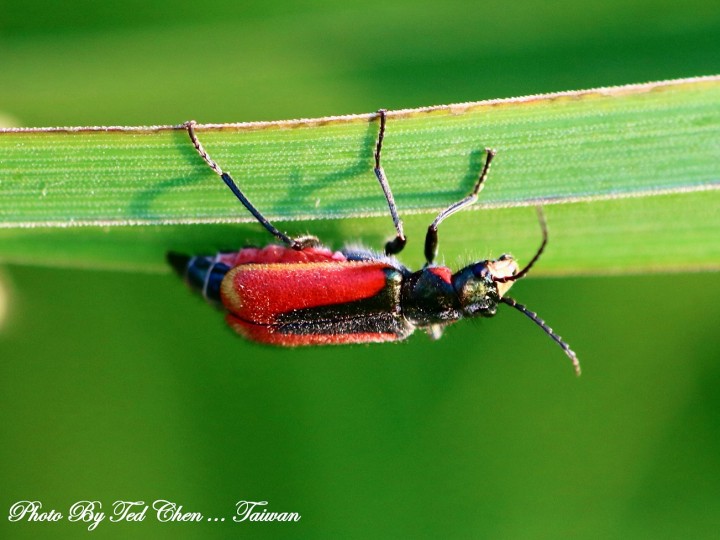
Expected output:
{"points": [[300, 292]]}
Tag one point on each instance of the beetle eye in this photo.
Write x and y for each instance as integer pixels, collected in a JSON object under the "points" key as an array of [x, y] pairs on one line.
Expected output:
{"points": [[473, 289]]}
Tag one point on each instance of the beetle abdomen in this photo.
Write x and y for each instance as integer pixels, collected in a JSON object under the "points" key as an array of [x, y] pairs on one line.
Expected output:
{"points": [[202, 273], [205, 273]]}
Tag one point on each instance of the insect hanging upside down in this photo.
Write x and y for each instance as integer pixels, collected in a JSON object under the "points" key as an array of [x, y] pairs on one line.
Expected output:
{"points": [[302, 293]]}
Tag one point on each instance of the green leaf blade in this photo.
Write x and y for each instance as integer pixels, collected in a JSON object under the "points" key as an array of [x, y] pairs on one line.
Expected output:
{"points": [[606, 154]]}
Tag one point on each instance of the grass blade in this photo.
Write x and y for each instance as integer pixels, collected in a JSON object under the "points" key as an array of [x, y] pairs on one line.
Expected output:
{"points": [[609, 154]]}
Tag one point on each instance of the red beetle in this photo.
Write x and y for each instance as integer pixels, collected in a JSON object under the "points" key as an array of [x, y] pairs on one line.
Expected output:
{"points": [[302, 293]]}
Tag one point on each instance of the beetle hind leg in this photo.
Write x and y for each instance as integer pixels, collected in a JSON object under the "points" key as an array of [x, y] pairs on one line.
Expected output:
{"points": [[297, 244]]}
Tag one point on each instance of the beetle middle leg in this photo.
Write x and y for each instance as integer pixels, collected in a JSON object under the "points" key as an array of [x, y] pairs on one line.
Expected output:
{"points": [[396, 245]]}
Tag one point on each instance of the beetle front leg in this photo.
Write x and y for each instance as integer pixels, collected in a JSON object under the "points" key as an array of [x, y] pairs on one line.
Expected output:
{"points": [[431, 238]]}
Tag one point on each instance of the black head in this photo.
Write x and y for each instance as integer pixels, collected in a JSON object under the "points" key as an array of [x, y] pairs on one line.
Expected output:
{"points": [[478, 288]]}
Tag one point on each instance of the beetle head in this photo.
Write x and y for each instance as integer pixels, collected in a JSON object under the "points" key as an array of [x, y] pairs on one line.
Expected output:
{"points": [[478, 288]]}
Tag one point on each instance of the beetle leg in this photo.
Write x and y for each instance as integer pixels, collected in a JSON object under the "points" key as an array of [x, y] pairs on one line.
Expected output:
{"points": [[298, 244], [435, 331], [396, 245], [431, 238]]}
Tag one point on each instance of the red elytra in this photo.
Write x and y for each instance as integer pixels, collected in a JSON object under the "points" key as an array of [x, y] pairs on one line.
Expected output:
{"points": [[256, 295], [314, 296], [267, 282], [279, 254]]}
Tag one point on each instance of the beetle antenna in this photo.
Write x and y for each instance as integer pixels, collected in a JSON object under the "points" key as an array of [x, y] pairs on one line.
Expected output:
{"points": [[528, 266], [549, 331]]}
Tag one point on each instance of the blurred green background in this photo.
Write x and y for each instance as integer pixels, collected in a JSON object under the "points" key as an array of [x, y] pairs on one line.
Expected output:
{"points": [[124, 386]]}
